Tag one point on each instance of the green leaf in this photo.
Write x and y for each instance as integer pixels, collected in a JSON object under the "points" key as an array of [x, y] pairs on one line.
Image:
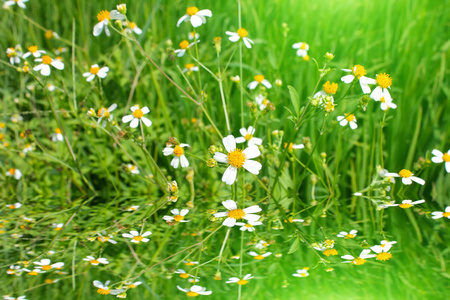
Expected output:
{"points": [[294, 98], [294, 247]]}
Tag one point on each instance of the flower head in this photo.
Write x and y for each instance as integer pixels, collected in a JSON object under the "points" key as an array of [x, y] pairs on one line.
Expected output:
{"points": [[46, 61], [104, 17], [103, 289], [14, 173], [21, 4], [184, 45], [441, 214], [195, 16], [262, 101], [136, 237], [234, 213], [33, 50], [358, 72], [46, 265], [132, 27], [14, 54], [302, 49], [237, 158], [360, 260], [302, 273], [259, 256], [178, 152], [259, 79], [348, 119], [240, 281], [407, 177], [247, 135], [195, 290], [249, 226], [94, 71], [138, 115], [241, 34], [57, 135], [440, 157], [382, 250], [96, 261], [178, 216], [348, 235]]}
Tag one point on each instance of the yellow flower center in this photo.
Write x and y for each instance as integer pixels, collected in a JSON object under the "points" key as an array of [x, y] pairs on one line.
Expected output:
{"points": [[446, 214], [265, 101], [138, 238], [191, 294], [33, 273], [242, 32], [178, 218], [329, 106], [12, 206], [349, 236], [259, 257], [192, 10], [48, 281], [242, 282], [131, 286], [290, 147], [178, 151], [359, 71], [103, 15], [359, 261], [103, 291], [350, 117], [189, 264], [248, 225], [405, 173], [33, 49], [383, 100], [306, 58], [94, 70], [138, 113], [236, 158], [48, 34], [248, 136], [329, 252], [94, 261], [46, 267], [46, 59], [446, 157], [384, 80], [189, 66], [184, 44], [57, 131], [384, 256], [12, 171], [184, 275], [132, 25], [330, 88], [405, 205], [236, 214], [259, 78], [303, 46]]}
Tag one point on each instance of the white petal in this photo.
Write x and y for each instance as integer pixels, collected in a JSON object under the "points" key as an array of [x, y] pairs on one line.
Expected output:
{"points": [[377, 93], [58, 64], [45, 70], [182, 19], [234, 38], [230, 143], [252, 209], [418, 180], [266, 83], [184, 162], [347, 78], [229, 204], [146, 121], [230, 222], [126, 119], [252, 85], [134, 123], [168, 151], [204, 12], [220, 157], [196, 21], [145, 110], [240, 140], [175, 162], [252, 166], [247, 43], [251, 152]]}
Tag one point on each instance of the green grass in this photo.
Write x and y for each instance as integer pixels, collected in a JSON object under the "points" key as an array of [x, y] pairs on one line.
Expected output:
{"points": [[406, 39]]}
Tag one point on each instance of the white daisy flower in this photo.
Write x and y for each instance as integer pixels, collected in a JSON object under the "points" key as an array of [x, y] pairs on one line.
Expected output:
{"points": [[237, 158], [360, 260], [382, 250], [259, 256], [250, 226], [50, 87], [195, 16], [408, 203], [95, 70], [179, 158], [189, 68], [133, 285], [178, 216], [262, 101], [96, 261], [293, 146], [301, 273], [14, 206], [235, 79], [14, 173], [383, 82], [240, 34], [33, 272], [358, 72], [259, 79], [14, 270], [57, 226], [247, 135], [262, 244], [407, 177], [57, 136], [302, 49], [132, 208], [172, 187], [386, 101], [47, 61], [133, 169], [14, 54], [441, 214], [103, 289], [349, 119], [193, 35], [136, 237], [240, 281], [183, 273], [138, 114], [105, 114], [132, 27], [46, 265], [104, 17], [235, 213], [23, 297], [15, 118], [60, 50], [440, 157], [184, 45], [190, 263], [20, 3], [105, 238], [33, 50], [348, 235], [195, 290]]}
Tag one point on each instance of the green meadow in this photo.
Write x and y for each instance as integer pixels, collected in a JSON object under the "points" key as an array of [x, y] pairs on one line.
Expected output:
{"points": [[87, 167]]}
